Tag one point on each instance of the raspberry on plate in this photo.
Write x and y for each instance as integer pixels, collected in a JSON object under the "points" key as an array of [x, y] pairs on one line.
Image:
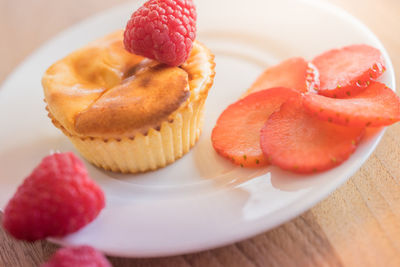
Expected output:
{"points": [[163, 30], [83, 256], [58, 198]]}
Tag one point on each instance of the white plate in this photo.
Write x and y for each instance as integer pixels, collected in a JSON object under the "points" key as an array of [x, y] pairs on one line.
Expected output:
{"points": [[201, 201]]}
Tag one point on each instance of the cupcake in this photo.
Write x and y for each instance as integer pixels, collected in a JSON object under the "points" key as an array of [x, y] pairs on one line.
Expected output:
{"points": [[125, 112]]}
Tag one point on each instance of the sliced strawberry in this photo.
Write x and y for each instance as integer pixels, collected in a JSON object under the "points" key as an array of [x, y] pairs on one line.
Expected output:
{"points": [[349, 70], [236, 135], [296, 141], [294, 73], [376, 106]]}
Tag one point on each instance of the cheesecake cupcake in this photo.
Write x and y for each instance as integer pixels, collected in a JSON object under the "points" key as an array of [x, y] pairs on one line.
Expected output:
{"points": [[134, 109]]}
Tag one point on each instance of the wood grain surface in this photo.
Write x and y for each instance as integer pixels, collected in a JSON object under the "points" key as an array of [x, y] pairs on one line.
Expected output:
{"points": [[358, 225]]}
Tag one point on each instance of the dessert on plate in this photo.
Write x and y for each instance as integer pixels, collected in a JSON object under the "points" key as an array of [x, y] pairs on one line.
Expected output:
{"points": [[128, 112]]}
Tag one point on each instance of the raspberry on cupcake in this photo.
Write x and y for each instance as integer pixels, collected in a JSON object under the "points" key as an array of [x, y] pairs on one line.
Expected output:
{"points": [[163, 30]]}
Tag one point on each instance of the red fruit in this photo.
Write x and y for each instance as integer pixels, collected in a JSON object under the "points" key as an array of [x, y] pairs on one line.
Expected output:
{"points": [[298, 142], [376, 106], [349, 70], [83, 256], [58, 198], [236, 135], [294, 73], [163, 30]]}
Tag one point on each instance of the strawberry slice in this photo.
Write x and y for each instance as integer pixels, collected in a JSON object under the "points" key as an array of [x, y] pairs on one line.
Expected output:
{"points": [[294, 73], [349, 70], [294, 140], [376, 106], [236, 135]]}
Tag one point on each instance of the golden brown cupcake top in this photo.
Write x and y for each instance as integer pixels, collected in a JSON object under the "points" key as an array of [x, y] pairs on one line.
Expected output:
{"points": [[101, 90]]}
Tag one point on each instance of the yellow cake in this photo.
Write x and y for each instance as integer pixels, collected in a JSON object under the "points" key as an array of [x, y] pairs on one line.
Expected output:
{"points": [[126, 113]]}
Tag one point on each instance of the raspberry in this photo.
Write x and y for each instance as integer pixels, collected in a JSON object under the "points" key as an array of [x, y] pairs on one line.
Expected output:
{"points": [[83, 256], [58, 198], [163, 30]]}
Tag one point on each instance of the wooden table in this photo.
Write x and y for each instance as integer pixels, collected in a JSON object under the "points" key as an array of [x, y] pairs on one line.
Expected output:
{"points": [[358, 225]]}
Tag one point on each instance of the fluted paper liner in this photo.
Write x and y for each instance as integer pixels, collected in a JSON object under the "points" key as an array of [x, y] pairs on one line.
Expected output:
{"points": [[146, 152]]}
